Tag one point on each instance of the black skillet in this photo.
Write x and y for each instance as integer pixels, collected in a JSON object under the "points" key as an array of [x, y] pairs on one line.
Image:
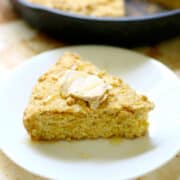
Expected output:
{"points": [[138, 27]]}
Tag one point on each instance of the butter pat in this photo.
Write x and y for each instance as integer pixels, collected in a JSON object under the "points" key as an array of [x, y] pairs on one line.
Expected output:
{"points": [[82, 85]]}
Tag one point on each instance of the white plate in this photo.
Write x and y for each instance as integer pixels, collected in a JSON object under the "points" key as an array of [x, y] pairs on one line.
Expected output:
{"points": [[94, 159]]}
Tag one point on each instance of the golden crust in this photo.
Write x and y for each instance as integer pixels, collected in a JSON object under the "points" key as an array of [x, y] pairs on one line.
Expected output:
{"points": [[46, 102], [174, 4]]}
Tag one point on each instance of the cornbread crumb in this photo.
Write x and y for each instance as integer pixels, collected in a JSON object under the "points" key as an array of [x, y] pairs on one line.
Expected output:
{"points": [[48, 99], [100, 8], [49, 116], [70, 101]]}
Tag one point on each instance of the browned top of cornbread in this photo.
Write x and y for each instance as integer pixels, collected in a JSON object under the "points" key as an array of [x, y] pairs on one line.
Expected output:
{"points": [[169, 3], [87, 7], [46, 95]]}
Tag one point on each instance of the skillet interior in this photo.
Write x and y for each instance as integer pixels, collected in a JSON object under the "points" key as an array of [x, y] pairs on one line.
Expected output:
{"points": [[143, 28]]}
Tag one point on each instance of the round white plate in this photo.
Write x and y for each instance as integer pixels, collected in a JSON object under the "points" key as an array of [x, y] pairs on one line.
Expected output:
{"points": [[94, 159]]}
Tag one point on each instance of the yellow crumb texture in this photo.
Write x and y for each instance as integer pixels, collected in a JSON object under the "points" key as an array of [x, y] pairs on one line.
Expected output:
{"points": [[50, 116], [99, 8]]}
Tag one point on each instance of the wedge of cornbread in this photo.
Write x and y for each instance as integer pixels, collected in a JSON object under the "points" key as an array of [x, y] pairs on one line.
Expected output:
{"points": [[99, 8], [174, 4], [76, 100]]}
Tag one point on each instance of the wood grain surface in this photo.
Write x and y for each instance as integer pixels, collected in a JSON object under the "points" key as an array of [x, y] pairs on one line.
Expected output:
{"points": [[18, 42]]}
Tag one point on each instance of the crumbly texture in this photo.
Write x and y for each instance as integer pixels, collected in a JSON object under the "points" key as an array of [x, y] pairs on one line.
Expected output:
{"points": [[50, 116], [99, 8], [174, 4]]}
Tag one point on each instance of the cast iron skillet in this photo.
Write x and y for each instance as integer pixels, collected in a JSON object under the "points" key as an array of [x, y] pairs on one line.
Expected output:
{"points": [[127, 31]]}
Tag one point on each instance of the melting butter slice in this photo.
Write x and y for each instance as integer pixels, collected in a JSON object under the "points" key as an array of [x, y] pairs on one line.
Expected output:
{"points": [[84, 86]]}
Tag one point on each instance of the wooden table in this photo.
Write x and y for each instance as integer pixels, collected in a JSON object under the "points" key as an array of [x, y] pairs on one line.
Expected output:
{"points": [[18, 42]]}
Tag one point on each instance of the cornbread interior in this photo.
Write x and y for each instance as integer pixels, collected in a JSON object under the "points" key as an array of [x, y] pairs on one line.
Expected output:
{"points": [[50, 116], [97, 8]]}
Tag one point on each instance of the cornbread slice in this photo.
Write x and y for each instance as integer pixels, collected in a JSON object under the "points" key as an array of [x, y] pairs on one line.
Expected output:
{"points": [[111, 8], [174, 4], [52, 116]]}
